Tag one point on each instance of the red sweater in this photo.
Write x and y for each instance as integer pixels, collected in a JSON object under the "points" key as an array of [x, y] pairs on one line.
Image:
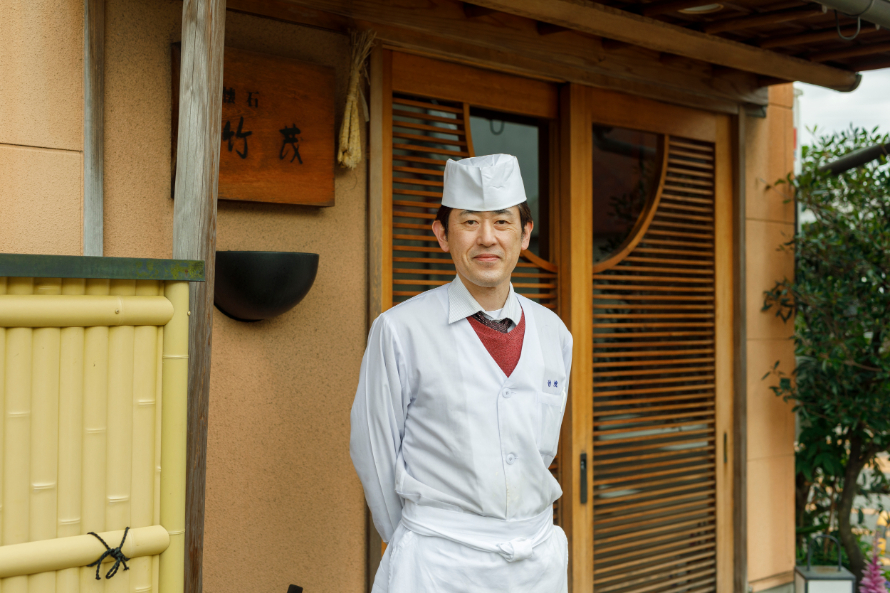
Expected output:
{"points": [[505, 349]]}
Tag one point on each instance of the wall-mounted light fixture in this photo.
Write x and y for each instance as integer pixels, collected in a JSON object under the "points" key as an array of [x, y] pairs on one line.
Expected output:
{"points": [[257, 285]]}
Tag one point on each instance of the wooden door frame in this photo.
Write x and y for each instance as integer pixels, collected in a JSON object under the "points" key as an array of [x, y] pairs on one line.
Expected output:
{"points": [[740, 361], [576, 299], [725, 330]]}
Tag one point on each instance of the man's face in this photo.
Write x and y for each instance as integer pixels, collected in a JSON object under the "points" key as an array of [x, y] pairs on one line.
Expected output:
{"points": [[485, 246]]}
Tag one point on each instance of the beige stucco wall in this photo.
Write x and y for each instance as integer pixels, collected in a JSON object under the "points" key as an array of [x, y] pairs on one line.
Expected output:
{"points": [[769, 222], [41, 126], [283, 502]]}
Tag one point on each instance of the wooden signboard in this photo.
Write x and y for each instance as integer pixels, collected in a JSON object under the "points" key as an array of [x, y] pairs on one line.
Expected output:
{"points": [[277, 129]]}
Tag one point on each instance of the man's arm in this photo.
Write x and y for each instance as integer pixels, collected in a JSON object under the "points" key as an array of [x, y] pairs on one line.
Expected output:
{"points": [[378, 425]]}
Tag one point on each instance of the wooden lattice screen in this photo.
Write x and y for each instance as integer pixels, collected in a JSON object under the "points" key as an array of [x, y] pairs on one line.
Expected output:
{"points": [[425, 133], [654, 482]]}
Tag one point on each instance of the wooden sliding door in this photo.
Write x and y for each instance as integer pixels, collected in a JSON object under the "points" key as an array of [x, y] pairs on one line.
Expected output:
{"points": [[661, 351]]}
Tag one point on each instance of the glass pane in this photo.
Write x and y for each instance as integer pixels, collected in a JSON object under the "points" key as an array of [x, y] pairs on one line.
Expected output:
{"points": [[626, 170], [495, 132]]}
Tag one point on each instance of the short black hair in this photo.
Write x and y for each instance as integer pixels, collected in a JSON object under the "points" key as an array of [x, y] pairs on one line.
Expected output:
{"points": [[525, 216]]}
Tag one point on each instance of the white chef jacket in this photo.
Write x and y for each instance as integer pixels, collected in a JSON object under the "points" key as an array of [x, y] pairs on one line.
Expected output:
{"points": [[454, 455]]}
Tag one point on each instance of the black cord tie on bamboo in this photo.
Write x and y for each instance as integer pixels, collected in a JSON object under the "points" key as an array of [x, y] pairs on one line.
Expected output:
{"points": [[116, 553]]}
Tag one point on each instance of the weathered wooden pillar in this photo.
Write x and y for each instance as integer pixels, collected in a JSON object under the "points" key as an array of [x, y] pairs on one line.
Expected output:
{"points": [[194, 236]]}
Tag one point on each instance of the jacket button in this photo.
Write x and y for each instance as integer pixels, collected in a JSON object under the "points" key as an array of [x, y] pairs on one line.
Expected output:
{"points": [[510, 459], [507, 393]]}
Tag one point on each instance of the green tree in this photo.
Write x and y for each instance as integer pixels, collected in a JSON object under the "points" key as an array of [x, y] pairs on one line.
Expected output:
{"points": [[840, 303]]}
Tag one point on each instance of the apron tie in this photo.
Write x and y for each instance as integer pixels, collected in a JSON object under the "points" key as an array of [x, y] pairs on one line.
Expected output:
{"points": [[516, 549]]}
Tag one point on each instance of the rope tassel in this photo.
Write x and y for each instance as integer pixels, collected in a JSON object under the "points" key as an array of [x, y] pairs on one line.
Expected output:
{"points": [[349, 154], [116, 553]]}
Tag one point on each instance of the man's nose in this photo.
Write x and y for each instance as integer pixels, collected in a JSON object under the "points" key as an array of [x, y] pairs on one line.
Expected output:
{"points": [[486, 234]]}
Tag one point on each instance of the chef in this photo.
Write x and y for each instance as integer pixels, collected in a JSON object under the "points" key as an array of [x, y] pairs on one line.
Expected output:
{"points": [[456, 419]]}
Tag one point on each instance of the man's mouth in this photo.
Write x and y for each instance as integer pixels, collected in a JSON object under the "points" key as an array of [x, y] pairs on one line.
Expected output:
{"points": [[486, 257]]}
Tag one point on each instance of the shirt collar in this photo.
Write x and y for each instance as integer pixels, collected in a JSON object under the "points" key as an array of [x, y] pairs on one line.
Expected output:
{"points": [[461, 304]]}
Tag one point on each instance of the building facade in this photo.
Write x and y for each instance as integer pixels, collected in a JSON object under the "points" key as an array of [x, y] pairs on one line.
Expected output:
{"points": [[658, 230]]}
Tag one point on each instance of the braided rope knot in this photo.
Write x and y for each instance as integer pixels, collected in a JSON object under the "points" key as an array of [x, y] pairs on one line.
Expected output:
{"points": [[116, 553]]}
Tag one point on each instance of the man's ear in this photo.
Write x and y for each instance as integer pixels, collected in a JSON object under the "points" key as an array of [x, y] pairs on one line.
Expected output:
{"points": [[439, 231], [526, 233]]}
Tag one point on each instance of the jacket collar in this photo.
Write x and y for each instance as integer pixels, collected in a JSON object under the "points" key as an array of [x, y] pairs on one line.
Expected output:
{"points": [[461, 304]]}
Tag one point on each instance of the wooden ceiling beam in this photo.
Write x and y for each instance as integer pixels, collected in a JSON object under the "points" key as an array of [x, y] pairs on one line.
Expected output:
{"points": [[813, 37], [433, 46], [721, 71], [474, 11], [865, 66], [548, 29], [758, 20], [672, 59], [603, 21], [290, 12], [439, 28], [851, 52], [664, 6], [768, 81], [611, 45]]}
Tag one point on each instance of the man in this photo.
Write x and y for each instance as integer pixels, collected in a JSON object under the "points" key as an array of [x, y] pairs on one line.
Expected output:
{"points": [[457, 414]]}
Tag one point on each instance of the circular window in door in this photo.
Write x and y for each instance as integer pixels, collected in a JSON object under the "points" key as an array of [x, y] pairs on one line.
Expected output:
{"points": [[627, 168]]}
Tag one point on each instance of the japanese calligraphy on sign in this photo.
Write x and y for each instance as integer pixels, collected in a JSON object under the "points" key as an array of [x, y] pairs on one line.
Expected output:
{"points": [[277, 130]]}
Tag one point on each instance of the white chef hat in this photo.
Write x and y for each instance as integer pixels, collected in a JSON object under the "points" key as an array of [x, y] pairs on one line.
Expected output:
{"points": [[483, 183]]}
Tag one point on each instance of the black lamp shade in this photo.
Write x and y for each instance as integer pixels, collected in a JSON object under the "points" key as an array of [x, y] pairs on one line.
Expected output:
{"points": [[257, 285]]}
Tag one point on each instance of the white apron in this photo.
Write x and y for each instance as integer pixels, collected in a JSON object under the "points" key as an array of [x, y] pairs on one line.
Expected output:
{"points": [[454, 455]]}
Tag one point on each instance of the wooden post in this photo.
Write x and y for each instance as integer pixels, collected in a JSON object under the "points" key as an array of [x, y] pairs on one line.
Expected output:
{"points": [[576, 309], [724, 336], [740, 368], [379, 230], [93, 124], [194, 237]]}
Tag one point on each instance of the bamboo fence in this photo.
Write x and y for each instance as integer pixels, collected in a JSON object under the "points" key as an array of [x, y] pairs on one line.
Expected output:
{"points": [[93, 380]]}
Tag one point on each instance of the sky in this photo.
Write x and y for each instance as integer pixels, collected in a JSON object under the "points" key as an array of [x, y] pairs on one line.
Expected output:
{"points": [[867, 106]]}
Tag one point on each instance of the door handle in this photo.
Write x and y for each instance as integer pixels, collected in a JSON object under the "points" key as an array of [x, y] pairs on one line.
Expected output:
{"points": [[583, 478]]}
